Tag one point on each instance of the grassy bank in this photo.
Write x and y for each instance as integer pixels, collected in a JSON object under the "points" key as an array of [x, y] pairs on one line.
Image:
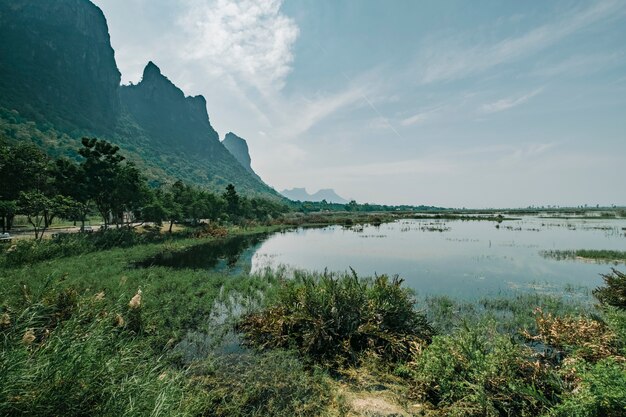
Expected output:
{"points": [[89, 333], [605, 256]]}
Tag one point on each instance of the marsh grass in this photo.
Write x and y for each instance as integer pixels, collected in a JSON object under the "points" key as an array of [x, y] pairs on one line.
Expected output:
{"points": [[607, 256], [88, 334], [334, 319]]}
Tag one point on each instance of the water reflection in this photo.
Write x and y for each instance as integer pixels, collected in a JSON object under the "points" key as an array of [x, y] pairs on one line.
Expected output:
{"points": [[465, 259], [233, 255]]}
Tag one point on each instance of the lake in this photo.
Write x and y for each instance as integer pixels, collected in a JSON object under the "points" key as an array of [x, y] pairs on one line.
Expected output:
{"points": [[463, 259]]}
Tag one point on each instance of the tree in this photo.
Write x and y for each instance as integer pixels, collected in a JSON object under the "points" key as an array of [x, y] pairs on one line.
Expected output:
{"points": [[115, 188], [232, 201], [70, 181], [40, 209], [23, 168]]}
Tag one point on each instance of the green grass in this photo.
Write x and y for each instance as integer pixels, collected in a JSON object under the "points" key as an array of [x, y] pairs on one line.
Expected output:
{"points": [[608, 256], [72, 342]]}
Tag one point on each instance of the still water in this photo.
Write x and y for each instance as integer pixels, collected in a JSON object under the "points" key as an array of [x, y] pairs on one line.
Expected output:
{"points": [[464, 259]]}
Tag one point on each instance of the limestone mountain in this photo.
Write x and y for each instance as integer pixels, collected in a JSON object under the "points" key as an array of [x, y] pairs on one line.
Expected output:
{"points": [[57, 63], [301, 194], [59, 81], [238, 147]]}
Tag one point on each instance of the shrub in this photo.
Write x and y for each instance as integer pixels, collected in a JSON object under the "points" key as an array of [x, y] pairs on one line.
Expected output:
{"points": [[580, 336], [614, 291], [332, 320], [600, 393], [479, 372], [31, 251]]}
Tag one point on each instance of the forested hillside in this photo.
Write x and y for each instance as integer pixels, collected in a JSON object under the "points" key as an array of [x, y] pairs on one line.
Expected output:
{"points": [[59, 82]]}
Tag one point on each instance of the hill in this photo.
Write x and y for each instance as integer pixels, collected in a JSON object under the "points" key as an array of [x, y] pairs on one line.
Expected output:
{"points": [[59, 82], [300, 194]]}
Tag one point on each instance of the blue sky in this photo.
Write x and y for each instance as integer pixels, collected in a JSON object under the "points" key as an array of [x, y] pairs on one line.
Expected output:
{"points": [[450, 103]]}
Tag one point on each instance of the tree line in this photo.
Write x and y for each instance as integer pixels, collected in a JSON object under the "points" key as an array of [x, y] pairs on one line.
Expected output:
{"points": [[102, 181]]}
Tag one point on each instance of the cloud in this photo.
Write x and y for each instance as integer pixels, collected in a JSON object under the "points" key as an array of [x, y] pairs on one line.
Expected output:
{"points": [[249, 38], [579, 65], [421, 117], [451, 59], [508, 103]]}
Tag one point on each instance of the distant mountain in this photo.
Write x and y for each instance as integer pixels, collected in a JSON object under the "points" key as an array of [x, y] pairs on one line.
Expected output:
{"points": [[59, 81], [238, 147], [300, 194]]}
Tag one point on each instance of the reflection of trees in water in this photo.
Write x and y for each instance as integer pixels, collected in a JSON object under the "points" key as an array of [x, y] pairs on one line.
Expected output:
{"points": [[233, 251]]}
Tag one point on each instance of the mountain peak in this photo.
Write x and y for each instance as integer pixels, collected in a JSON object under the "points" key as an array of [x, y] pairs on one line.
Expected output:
{"points": [[301, 194], [238, 147], [151, 70]]}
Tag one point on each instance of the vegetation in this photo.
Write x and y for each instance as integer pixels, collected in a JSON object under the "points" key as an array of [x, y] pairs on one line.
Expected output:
{"points": [[595, 255], [125, 336], [614, 293], [43, 189], [334, 320]]}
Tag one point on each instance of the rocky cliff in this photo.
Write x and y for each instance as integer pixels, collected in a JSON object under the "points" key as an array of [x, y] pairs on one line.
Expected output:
{"points": [[57, 63], [168, 116], [238, 147], [57, 69]]}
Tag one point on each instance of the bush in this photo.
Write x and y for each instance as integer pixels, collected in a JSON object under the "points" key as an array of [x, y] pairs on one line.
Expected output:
{"points": [[333, 320], [582, 337], [600, 393], [614, 291], [479, 372], [71, 244]]}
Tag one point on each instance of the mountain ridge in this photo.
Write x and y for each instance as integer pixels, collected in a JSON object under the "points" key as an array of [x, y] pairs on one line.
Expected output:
{"points": [[59, 82], [301, 194]]}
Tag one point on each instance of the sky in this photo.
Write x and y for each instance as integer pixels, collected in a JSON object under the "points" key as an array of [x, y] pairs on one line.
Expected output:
{"points": [[487, 103]]}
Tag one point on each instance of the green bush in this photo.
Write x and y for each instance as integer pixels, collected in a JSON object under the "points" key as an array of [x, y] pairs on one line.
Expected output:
{"points": [[479, 372], [614, 291], [600, 393], [333, 320]]}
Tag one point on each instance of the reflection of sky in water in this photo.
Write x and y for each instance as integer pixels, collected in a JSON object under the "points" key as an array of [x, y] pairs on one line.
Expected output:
{"points": [[470, 259]]}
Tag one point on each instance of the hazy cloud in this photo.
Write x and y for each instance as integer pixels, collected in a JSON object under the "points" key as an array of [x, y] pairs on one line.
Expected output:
{"points": [[509, 102], [449, 59], [249, 38]]}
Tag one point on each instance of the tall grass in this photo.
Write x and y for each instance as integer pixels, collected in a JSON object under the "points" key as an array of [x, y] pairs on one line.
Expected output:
{"points": [[334, 319]]}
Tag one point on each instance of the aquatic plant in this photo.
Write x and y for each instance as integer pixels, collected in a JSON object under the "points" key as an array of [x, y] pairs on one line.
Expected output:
{"points": [[334, 319]]}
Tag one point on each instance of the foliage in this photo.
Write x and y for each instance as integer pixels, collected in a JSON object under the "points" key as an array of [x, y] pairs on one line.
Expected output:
{"points": [[333, 320], [269, 384], [63, 188], [614, 291], [601, 392], [478, 372], [579, 336], [25, 252]]}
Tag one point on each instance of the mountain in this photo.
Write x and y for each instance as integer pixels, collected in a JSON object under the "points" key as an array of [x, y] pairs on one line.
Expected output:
{"points": [[57, 63], [238, 147], [59, 82], [300, 194]]}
